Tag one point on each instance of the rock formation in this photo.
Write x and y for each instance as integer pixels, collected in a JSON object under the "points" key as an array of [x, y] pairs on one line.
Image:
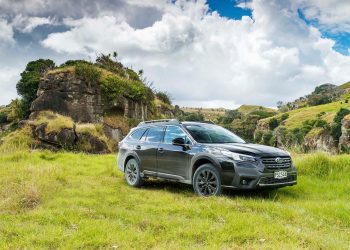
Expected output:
{"points": [[344, 140]]}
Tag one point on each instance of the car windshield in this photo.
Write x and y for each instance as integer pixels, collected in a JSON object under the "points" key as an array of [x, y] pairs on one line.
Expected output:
{"points": [[208, 133]]}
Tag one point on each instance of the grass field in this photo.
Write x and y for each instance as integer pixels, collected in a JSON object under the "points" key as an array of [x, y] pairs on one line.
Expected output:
{"points": [[69, 201]]}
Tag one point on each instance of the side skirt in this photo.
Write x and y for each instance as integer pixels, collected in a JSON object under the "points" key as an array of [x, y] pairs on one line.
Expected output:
{"points": [[164, 176]]}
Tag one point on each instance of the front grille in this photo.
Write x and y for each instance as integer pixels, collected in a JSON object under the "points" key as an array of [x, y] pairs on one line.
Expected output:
{"points": [[272, 180], [277, 162]]}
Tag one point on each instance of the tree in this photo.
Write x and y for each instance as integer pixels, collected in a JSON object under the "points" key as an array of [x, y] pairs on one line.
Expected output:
{"points": [[29, 82], [3, 118], [273, 123], [336, 126], [279, 104]]}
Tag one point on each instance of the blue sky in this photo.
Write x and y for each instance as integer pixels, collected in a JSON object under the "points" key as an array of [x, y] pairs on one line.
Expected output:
{"points": [[267, 51], [229, 9]]}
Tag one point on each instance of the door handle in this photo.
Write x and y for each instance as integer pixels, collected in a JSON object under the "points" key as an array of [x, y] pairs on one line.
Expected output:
{"points": [[138, 147], [161, 150]]}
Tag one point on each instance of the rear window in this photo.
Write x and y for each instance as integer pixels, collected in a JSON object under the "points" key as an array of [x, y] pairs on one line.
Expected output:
{"points": [[136, 135], [155, 134]]}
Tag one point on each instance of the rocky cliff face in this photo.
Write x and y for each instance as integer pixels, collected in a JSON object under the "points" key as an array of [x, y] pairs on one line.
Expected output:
{"points": [[62, 96], [66, 94], [320, 140], [344, 140]]}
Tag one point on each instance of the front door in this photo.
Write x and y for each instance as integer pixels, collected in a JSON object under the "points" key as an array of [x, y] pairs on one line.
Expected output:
{"points": [[173, 160], [147, 149]]}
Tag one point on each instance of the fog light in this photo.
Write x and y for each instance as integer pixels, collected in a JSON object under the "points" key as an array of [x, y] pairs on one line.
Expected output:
{"points": [[244, 182]]}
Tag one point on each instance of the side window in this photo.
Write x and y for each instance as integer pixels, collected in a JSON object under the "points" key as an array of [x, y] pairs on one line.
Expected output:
{"points": [[136, 135], [173, 132], [154, 134]]}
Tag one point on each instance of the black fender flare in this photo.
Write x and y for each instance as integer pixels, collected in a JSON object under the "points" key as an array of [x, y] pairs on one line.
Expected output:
{"points": [[128, 155], [200, 157]]}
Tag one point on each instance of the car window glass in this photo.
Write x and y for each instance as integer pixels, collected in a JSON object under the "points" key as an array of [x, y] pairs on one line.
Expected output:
{"points": [[206, 133], [136, 135], [173, 132], [154, 134]]}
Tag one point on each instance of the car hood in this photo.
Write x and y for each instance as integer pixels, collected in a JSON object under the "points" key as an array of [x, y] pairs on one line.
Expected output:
{"points": [[252, 149]]}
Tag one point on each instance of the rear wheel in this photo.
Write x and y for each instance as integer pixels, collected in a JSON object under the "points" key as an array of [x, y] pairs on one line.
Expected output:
{"points": [[207, 181], [132, 173]]}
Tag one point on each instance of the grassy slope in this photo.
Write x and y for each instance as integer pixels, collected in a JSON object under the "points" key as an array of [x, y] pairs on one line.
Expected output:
{"points": [[74, 201], [210, 114], [246, 109], [298, 116]]}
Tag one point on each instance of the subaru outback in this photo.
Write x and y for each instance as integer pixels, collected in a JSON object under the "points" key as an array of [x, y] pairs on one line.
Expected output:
{"points": [[201, 154]]}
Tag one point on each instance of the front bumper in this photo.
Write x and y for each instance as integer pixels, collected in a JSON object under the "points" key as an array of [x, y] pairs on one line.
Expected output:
{"points": [[245, 177]]}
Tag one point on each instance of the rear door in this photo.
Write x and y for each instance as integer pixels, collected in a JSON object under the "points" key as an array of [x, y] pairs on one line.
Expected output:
{"points": [[148, 147], [173, 160]]}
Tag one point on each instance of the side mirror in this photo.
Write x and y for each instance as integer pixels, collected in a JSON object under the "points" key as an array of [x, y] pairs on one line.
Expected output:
{"points": [[179, 141]]}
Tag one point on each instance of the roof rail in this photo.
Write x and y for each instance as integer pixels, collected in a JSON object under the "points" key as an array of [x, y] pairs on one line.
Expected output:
{"points": [[164, 121], [208, 122]]}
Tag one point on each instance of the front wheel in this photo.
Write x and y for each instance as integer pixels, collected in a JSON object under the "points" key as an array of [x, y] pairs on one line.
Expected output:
{"points": [[132, 173], [207, 181]]}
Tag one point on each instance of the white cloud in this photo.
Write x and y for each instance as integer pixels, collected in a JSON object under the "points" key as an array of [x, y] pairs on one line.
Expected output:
{"points": [[331, 14], [200, 57], [6, 33], [26, 24], [8, 79]]}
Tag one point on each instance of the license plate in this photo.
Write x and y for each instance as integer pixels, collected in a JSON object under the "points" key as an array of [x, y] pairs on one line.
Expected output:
{"points": [[280, 174]]}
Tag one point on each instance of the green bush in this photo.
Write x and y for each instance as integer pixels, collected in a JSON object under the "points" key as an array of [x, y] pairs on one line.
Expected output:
{"points": [[284, 117], [75, 63], [88, 72], [3, 117], [262, 113], [273, 123], [164, 97], [321, 124], [106, 62], [113, 88], [258, 136], [132, 75], [267, 138]]}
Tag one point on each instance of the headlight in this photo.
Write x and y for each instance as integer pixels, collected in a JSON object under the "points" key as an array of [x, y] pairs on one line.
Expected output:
{"points": [[232, 155]]}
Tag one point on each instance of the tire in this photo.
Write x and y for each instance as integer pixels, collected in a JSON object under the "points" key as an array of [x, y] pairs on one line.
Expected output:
{"points": [[207, 181], [132, 173]]}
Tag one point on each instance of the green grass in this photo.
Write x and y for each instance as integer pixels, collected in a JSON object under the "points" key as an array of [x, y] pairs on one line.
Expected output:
{"points": [[70, 201]]}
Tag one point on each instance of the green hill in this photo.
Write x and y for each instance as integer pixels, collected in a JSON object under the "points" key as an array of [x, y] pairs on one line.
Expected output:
{"points": [[247, 109], [315, 122], [298, 116]]}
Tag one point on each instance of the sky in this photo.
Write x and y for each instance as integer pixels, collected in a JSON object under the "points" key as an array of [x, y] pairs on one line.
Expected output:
{"points": [[215, 53]]}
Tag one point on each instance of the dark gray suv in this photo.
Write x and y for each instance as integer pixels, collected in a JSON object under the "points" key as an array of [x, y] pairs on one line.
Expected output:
{"points": [[204, 155]]}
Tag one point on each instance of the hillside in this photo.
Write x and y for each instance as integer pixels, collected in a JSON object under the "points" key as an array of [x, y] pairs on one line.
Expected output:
{"points": [[311, 127], [249, 109], [326, 112], [81, 106], [209, 114]]}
